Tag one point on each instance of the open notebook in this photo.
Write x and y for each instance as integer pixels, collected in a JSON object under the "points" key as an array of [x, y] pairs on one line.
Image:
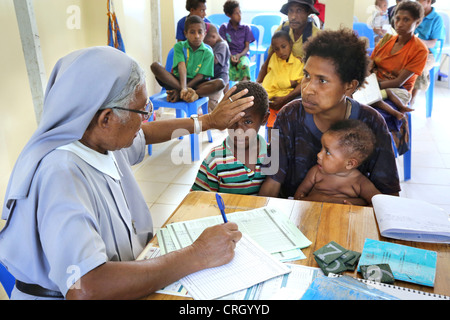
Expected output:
{"points": [[411, 219], [370, 93]]}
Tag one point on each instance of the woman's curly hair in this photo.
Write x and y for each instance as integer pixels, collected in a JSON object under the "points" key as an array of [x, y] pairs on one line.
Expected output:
{"points": [[344, 49]]}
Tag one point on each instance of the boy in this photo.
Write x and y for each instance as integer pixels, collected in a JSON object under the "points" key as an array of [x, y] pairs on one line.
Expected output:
{"points": [[239, 36], [193, 65], [235, 165], [335, 177], [221, 60], [195, 8]]}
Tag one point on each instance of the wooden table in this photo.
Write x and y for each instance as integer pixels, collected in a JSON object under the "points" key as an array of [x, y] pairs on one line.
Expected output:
{"points": [[321, 223]]}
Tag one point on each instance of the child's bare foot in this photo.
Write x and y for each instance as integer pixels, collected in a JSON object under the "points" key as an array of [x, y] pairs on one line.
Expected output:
{"points": [[190, 95], [173, 95], [404, 109], [397, 114]]}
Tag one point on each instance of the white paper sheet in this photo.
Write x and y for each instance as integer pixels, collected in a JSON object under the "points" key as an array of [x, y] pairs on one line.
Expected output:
{"points": [[250, 265]]}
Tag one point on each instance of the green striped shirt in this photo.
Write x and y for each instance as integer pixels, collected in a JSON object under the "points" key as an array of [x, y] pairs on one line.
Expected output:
{"points": [[222, 172]]}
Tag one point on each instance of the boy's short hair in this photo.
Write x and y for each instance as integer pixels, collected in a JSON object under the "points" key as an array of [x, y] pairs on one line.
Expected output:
{"points": [[261, 98], [193, 20], [345, 49], [193, 4], [229, 6], [414, 8], [355, 137], [282, 34]]}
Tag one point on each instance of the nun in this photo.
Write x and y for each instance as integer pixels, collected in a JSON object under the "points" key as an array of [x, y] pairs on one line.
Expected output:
{"points": [[75, 217]]}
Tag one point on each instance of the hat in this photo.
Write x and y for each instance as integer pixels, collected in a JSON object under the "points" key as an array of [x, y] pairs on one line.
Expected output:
{"points": [[308, 3]]}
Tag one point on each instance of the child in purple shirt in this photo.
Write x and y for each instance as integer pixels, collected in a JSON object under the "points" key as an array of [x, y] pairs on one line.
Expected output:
{"points": [[239, 36]]}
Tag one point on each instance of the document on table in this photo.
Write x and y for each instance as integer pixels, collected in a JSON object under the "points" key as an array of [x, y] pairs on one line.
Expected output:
{"points": [[290, 286], [268, 227], [411, 219], [407, 263], [250, 265]]}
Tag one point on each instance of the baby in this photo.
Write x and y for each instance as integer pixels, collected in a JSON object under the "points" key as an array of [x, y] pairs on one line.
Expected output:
{"points": [[336, 178]]}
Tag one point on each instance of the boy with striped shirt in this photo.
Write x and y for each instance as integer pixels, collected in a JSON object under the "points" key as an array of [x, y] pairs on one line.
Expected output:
{"points": [[235, 165]]}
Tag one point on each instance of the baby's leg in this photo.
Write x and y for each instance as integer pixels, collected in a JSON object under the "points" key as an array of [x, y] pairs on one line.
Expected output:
{"points": [[398, 103], [384, 106]]}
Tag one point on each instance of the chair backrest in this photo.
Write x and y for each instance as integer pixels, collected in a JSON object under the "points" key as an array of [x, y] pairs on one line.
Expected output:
{"points": [[257, 33], [440, 45], [363, 30], [7, 280], [218, 19], [267, 21], [445, 17], [169, 60]]}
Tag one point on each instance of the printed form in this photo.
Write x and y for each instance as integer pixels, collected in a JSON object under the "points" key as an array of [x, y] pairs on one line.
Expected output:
{"points": [[250, 265]]}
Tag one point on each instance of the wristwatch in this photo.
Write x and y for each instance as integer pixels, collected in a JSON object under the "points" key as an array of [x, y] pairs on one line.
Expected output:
{"points": [[197, 128]]}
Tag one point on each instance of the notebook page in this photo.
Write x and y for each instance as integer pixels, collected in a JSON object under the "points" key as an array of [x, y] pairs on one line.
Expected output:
{"points": [[251, 265]]}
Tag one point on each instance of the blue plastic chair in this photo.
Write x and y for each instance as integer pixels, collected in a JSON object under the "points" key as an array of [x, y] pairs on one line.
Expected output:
{"points": [[363, 30], [7, 280], [433, 75], [183, 109], [267, 21], [446, 47], [255, 51], [407, 154], [218, 19]]}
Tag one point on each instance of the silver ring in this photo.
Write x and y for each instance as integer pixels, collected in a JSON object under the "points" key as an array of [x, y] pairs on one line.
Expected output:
{"points": [[229, 98]]}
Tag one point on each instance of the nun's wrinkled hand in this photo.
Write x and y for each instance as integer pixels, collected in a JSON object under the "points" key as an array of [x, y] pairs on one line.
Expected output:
{"points": [[230, 109]]}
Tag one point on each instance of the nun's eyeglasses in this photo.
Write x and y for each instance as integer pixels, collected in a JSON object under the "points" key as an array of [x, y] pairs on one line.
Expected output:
{"points": [[144, 114]]}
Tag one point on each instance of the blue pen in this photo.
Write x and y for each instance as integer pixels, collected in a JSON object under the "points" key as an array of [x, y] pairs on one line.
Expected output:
{"points": [[221, 207]]}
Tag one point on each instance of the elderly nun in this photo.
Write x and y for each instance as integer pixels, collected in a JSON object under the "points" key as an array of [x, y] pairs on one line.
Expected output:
{"points": [[75, 217]]}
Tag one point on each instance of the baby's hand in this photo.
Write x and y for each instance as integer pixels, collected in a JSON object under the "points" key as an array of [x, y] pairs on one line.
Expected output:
{"points": [[299, 196]]}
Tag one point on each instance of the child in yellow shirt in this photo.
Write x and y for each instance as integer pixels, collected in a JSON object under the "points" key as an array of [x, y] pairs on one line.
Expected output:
{"points": [[284, 73]]}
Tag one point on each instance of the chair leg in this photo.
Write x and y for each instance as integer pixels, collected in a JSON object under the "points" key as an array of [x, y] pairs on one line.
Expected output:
{"points": [[179, 114], [195, 147], [205, 111], [407, 155], [149, 147], [429, 93]]}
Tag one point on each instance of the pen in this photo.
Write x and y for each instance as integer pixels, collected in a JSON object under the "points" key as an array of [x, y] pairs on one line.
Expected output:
{"points": [[221, 207]]}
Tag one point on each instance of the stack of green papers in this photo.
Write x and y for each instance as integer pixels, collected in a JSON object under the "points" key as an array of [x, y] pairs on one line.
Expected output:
{"points": [[268, 227]]}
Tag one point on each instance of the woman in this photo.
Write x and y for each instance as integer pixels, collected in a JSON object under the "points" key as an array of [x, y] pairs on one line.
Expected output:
{"points": [[400, 59], [335, 66], [76, 219]]}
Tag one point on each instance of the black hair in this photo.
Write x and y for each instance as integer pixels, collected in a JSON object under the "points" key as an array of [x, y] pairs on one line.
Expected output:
{"points": [[414, 8], [193, 4], [355, 137], [261, 99], [282, 34], [193, 20], [229, 6], [345, 49]]}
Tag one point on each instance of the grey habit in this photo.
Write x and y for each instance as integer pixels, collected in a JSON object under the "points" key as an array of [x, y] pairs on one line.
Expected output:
{"points": [[69, 209]]}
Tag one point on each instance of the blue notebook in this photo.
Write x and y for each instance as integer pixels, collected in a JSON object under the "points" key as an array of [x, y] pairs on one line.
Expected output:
{"points": [[343, 288], [407, 263]]}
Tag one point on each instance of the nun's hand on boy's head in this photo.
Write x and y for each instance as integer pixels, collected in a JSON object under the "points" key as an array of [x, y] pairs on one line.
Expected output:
{"points": [[230, 109]]}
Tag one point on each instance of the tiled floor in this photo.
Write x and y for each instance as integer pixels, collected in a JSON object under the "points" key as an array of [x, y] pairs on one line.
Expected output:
{"points": [[164, 182]]}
